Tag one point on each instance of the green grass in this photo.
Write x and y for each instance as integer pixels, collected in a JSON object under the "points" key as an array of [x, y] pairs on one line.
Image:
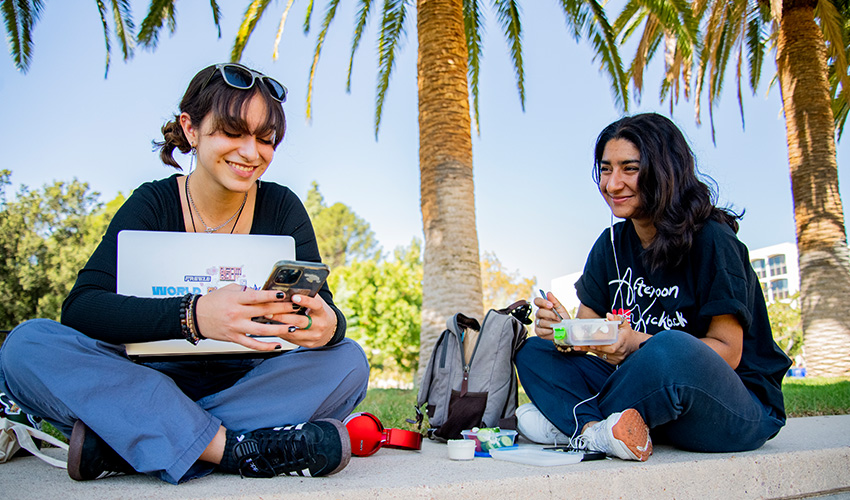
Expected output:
{"points": [[804, 397], [810, 396]]}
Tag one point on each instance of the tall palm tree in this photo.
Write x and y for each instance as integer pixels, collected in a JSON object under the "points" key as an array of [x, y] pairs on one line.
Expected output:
{"points": [[449, 36], [20, 17], [811, 48], [821, 233]]}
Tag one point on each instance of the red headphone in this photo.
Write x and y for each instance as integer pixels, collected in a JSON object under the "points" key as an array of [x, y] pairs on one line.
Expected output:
{"points": [[368, 435]]}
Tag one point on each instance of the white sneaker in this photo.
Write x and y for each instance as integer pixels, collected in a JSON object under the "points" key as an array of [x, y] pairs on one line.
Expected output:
{"points": [[624, 435], [535, 427]]}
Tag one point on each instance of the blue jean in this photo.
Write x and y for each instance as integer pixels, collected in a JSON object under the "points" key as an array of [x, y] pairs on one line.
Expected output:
{"points": [[160, 424], [687, 394]]}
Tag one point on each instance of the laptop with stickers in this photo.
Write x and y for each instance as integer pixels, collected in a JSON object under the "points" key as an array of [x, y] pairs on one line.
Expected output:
{"points": [[162, 264]]}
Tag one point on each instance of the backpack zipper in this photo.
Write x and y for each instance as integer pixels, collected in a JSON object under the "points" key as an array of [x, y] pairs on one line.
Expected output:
{"points": [[464, 387]]}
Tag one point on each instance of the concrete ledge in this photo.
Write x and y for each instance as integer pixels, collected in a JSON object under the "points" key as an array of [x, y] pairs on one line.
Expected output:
{"points": [[810, 457]]}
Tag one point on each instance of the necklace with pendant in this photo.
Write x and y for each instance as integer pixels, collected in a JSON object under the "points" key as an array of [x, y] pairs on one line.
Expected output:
{"points": [[207, 228]]}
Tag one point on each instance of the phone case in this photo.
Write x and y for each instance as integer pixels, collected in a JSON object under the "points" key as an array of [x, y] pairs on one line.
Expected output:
{"points": [[303, 278], [292, 276]]}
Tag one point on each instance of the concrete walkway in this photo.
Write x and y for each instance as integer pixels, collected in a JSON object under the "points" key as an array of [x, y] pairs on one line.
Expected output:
{"points": [[810, 457]]}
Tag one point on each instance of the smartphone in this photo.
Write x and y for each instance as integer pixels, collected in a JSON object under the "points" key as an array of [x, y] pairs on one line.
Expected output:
{"points": [[585, 455], [292, 276]]}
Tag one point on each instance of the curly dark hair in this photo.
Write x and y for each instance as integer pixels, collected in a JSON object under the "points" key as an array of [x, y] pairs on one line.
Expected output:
{"points": [[209, 93], [673, 196]]}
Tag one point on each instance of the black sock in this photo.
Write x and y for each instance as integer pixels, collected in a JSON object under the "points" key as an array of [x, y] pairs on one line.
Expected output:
{"points": [[229, 460]]}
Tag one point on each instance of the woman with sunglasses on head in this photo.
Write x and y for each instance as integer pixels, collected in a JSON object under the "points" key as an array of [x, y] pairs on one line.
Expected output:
{"points": [[694, 363], [257, 417]]}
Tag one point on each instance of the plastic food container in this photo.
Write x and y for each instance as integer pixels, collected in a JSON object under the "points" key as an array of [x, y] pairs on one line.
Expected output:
{"points": [[461, 449], [489, 438], [586, 332]]}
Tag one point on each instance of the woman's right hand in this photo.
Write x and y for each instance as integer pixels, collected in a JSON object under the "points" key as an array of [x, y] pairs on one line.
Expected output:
{"points": [[546, 317], [225, 314]]}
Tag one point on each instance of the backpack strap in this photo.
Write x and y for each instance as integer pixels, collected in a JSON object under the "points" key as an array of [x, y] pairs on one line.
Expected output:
{"points": [[427, 379], [520, 310], [24, 435]]}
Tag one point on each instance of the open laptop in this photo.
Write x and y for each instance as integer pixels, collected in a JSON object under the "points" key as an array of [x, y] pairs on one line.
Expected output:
{"points": [[163, 264]]}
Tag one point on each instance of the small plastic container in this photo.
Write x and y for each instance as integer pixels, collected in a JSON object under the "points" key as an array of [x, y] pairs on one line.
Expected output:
{"points": [[461, 449], [490, 438], [586, 332]]}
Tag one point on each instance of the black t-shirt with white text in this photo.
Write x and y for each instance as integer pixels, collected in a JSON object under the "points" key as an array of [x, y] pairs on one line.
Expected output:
{"points": [[714, 278]]}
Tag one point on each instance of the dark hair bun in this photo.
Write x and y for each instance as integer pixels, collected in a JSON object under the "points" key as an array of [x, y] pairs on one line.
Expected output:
{"points": [[173, 138]]}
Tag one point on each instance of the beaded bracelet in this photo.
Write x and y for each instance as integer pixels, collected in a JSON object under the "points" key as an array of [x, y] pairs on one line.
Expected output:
{"points": [[566, 349], [194, 324], [188, 322]]}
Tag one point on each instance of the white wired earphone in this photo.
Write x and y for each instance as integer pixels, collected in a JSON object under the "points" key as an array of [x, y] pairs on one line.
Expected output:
{"points": [[574, 439]]}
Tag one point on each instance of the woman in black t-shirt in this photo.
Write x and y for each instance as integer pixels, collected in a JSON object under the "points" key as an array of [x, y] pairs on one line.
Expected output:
{"points": [[694, 364], [257, 416]]}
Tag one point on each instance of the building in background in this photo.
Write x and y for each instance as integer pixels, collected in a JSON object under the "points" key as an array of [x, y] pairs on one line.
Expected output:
{"points": [[778, 270], [776, 267]]}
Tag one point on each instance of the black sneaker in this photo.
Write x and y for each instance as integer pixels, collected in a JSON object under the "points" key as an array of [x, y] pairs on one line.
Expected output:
{"points": [[317, 448], [89, 457]]}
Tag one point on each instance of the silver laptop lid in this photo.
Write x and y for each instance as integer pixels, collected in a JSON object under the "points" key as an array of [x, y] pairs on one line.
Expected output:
{"points": [[161, 264]]}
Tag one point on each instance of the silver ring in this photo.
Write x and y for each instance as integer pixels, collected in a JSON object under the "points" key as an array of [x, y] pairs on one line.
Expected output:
{"points": [[604, 356]]}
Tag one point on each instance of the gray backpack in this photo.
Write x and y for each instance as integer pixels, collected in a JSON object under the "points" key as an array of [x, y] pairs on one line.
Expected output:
{"points": [[470, 380]]}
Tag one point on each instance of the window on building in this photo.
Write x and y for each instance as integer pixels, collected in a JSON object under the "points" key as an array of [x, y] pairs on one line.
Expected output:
{"points": [[777, 265], [758, 266], [779, 289]]}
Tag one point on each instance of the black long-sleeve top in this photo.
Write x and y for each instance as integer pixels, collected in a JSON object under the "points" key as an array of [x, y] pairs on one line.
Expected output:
{"points": [[94, 308]]}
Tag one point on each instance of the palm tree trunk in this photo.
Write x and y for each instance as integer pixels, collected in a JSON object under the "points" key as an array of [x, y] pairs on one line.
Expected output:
{"points": [[821, 236], [452, 270]]}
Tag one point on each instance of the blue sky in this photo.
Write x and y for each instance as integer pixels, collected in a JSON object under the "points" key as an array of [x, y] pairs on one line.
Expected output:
{"points": [[536, 206]]}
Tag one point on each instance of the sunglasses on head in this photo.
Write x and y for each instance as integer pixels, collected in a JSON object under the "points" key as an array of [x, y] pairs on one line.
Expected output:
{"points": [[240, 77]]}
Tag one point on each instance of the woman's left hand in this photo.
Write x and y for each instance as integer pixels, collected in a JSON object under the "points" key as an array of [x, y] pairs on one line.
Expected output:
{"points": [[628, 341], [314, 329]]}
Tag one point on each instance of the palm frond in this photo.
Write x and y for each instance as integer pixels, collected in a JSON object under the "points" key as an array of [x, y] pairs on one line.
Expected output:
{"points": [[840, 104], [716, 70], [840, 111], [392, 34], [756, 39], [625, 26], [359, 26], [588, 16], [20, 17], [101, 9], [576, 15], [712, 41], [629, 19], [330, 13], [686, 64], [508, 14], [252, 16], [833, 25], [122, 16], [675, 71], [738, 69], [646, 47], [677, 17], [672, 22], [216, 12], [280, 29], [159, 13], [474, 29], [734, 44], [308, 16]]}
